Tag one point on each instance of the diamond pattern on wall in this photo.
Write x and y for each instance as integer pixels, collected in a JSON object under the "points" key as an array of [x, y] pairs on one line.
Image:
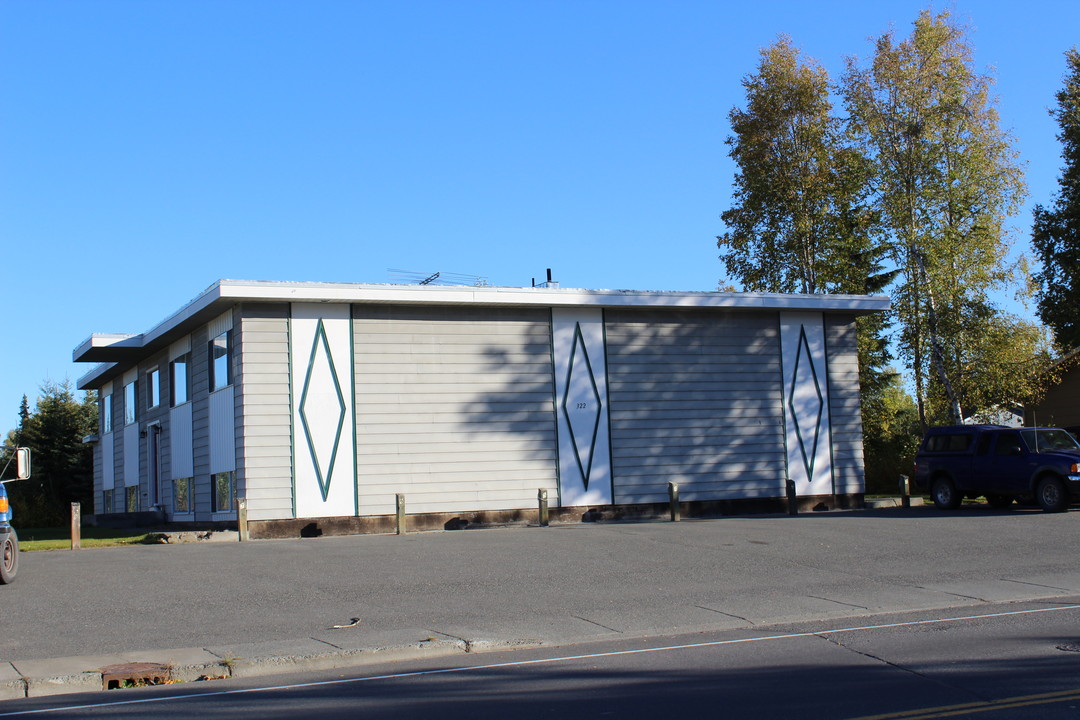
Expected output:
{"points": [[806, 403], [581, 405], [320, 417]]}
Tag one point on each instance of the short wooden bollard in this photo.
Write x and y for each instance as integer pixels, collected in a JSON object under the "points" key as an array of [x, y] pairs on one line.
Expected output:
{"points": [[241, 520], [673, 500], [792, 501], [905, 491], [542, 513], [400, 505], [76, 526]]}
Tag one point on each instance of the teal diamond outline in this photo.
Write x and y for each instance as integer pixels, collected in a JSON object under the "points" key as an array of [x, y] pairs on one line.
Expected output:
{"points": [[324, 481], [580, 339], [812, 460]]}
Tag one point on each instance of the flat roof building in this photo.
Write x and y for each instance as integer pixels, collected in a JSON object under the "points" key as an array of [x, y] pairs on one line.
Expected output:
{"points": [[319, 404]]}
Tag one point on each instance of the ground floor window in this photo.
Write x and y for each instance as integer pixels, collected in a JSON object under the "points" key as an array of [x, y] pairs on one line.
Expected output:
{"points": [[133, 498], [182, 495], [224, 491], [107, 501]]}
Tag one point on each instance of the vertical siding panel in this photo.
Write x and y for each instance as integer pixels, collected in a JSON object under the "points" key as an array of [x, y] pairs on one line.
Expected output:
{"points": [[222, 431], [695, 399], [181, 462], [200, 423]]}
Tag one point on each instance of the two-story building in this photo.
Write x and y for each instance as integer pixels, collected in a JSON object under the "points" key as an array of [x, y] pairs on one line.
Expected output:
{"points": [[320, 403]]}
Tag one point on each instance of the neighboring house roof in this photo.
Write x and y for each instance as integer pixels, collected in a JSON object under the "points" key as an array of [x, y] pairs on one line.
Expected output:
{"points": [[113, 348]]}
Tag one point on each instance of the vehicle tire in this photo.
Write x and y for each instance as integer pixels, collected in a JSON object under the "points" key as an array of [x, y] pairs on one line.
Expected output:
{"points": [[945, 494], [9, 558], [999, 502], [1051, 495]]}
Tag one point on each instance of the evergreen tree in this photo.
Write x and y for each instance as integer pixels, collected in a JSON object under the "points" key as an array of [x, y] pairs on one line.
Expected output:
{"points": [[1056, 231], [63, 464]]}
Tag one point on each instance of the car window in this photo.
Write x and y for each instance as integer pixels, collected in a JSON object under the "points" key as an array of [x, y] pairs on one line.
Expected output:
{"points": [[949, 442], [1049, 439], [1007, 444]]}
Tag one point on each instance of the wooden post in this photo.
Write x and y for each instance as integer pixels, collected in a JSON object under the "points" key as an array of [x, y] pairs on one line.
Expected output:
{"points": [[792, 501], [541, 497], [76, 526], [241, 519], [905, 491], [673, 499], [400, 501]]}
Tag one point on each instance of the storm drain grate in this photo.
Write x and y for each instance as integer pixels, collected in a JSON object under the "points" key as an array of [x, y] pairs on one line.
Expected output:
{"points": [[1070, 647], [133, 675]]}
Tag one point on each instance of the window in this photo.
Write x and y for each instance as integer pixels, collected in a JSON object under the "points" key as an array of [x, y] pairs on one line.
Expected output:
{"points": [[107, 501], [1008, 445], [105, 422], [223, 491], [219, 362], [958, 442], [182, 492], [153, 388], [133, 498], [129, 403], [178, 379]]}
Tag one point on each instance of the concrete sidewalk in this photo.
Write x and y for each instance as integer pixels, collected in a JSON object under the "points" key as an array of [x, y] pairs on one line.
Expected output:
{"points": [[245, 609]]}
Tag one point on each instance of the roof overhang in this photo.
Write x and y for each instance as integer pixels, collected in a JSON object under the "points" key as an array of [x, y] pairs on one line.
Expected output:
{"points": [[114, 349]]}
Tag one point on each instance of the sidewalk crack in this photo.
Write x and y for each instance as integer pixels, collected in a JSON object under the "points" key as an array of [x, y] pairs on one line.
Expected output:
{"points": [[610, 629], [727, 614], [838, 602]]}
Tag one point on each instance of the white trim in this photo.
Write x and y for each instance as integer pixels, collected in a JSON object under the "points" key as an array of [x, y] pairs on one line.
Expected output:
{"points": [[110, 348]]}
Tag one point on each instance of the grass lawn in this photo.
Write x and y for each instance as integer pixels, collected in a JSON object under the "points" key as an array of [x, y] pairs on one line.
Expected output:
{"points": [[31, 539]]}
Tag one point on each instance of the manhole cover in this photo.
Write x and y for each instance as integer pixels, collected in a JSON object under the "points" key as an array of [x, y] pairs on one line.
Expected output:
{"points": [[1070, 647]]}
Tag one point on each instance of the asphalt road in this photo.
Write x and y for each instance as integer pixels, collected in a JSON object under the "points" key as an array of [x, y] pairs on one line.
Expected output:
{"points": [[1016, 661], [560, 584]]}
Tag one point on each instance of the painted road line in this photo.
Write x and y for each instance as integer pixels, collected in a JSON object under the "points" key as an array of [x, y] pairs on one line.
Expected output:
{"points": [[945, 711], [546, 661]]}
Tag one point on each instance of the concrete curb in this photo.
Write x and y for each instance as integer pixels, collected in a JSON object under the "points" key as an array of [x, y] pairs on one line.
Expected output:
{"points": [[55, 676]]}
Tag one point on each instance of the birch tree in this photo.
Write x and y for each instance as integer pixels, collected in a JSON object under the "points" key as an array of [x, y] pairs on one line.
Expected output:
{"points": [[946, 178], [796, 219]]}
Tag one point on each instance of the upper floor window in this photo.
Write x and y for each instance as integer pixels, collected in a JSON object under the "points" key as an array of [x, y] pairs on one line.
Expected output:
{"points": [[130, 403], [153, 388], [105, 421], [219, 362], [178, 379]]}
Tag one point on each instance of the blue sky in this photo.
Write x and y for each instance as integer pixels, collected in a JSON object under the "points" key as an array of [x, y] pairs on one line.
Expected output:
{"points": [[149, 148]]}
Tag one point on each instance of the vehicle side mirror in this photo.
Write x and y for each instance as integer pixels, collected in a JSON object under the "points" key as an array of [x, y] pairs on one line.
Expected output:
{"points": [[1017, 451], [22, 463]]}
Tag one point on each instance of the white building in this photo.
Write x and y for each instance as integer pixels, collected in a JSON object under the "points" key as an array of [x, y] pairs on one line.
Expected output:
{"points": [[319, 403]]}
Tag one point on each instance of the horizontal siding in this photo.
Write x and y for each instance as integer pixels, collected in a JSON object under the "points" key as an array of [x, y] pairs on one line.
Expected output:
{"points": [[845, 415], [454, 408], [695, 398], [264, 413]]}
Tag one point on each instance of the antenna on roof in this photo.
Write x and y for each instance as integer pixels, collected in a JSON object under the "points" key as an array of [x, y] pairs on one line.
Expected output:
{"points": [[411, 277]]}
